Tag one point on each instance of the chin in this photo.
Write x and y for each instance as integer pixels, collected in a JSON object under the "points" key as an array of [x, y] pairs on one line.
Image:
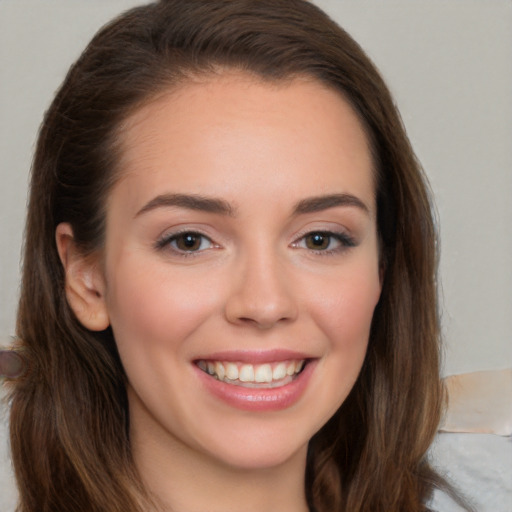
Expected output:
{"points": [[261, 456]]}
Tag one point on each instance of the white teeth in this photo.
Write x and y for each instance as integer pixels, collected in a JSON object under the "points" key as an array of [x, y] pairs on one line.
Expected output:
{"points": [[279, 371], [265, 374], [231, 371], [219, 370], [246, 373], [290, 369]]}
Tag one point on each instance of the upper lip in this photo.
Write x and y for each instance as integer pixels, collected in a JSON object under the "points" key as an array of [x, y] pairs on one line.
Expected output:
{"points": [[254, 356]]}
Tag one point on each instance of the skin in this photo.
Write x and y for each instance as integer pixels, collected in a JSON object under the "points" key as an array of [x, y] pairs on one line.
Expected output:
{"points": [[255, 284]]}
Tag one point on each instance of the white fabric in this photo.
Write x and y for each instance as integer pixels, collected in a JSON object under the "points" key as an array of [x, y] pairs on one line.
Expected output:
{"points": [[479, 465]]}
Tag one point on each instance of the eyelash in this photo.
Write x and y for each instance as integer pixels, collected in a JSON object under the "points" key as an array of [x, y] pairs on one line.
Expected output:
{"points": [[345, 241], [167, 240]]}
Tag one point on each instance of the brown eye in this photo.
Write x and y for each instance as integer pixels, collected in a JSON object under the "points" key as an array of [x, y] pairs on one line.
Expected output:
{"points": [[186, 242], [326, 242], [318, 241]]}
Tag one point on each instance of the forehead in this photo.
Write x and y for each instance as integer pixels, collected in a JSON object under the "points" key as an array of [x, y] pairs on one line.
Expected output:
{"points": [[234, 127]]}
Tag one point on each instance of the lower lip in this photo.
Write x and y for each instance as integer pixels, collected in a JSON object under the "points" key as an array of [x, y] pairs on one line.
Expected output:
{"points": [[254, 399]]}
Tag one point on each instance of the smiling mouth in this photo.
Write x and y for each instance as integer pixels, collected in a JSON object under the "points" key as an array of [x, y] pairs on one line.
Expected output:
{"points": [[263, 376]]}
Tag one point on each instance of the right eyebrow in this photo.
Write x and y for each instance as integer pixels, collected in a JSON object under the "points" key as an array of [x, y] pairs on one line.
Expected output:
{"points": [[190, 202], [319, 203]]}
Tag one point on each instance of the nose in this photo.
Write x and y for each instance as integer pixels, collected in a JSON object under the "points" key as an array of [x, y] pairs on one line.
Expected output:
{"points": [[261, 294]]}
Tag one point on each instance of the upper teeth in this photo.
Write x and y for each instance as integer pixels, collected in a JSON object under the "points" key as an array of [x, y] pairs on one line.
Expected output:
{"points": [[257, 373]]}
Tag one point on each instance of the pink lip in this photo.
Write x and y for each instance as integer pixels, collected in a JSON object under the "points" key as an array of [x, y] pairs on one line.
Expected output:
{"points": [[254, 399], [255, 356]]}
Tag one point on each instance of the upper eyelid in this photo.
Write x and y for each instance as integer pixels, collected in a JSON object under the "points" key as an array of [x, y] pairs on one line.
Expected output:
{"points": [[334, 231], [342, 234], [345, 239], [167, 237], [173, 232]]}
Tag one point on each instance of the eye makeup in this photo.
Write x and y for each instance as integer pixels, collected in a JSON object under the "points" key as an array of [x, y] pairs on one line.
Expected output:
{"points": [[322, 242], [325, 242], [185, 242]]}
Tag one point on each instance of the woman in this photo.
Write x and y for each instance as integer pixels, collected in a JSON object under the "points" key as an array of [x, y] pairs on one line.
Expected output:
{"points": [[226, 237]]}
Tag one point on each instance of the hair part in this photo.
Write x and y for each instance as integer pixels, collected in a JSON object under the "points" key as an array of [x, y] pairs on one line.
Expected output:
{"points": [[71, 407]]}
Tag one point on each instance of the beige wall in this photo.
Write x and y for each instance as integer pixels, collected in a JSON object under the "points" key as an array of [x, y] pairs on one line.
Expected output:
{"points": [[448, 63]]}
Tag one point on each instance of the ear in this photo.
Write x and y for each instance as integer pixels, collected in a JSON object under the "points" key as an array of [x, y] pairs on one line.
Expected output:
{"points": [[85, 282]]}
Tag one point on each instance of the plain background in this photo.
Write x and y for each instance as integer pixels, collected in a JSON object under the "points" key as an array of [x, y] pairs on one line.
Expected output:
{"points": [[449, 66]]}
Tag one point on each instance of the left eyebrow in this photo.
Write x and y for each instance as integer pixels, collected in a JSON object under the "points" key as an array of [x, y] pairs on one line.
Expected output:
{"points": [[320, 203], [189, 202]]}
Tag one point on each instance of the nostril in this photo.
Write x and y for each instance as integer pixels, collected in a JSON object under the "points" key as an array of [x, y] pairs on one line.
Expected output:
{"points": [[261, 297], [263, 323]]}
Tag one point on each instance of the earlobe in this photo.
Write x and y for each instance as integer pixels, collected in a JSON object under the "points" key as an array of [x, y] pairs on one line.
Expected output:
{"points": [[85, 283]]}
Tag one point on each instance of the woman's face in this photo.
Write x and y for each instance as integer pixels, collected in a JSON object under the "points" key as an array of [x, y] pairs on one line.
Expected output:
{"points": [[241, 267]]}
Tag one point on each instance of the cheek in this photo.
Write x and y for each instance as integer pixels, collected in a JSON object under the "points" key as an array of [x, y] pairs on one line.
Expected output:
{"points": [[152, 305], [344, 310]]}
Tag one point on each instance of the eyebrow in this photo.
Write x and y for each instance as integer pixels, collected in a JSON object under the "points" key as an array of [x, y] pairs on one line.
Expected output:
{"points": [[222, 207], [320, 203], [190, 202]]}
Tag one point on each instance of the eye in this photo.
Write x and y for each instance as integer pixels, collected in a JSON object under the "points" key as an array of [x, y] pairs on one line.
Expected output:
{"points": [[186, 242], [318, 241], [325, 241]]}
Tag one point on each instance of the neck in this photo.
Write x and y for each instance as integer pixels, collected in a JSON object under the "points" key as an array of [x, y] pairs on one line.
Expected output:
{"points": [[182, 479], [181, 483], [228, 491]]}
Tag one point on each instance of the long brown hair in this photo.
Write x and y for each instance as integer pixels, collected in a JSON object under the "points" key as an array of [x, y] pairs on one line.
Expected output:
{"points": [[69, 419]]}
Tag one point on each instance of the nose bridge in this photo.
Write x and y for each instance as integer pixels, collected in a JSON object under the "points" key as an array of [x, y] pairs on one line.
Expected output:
{"points": [[261, 294]]}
